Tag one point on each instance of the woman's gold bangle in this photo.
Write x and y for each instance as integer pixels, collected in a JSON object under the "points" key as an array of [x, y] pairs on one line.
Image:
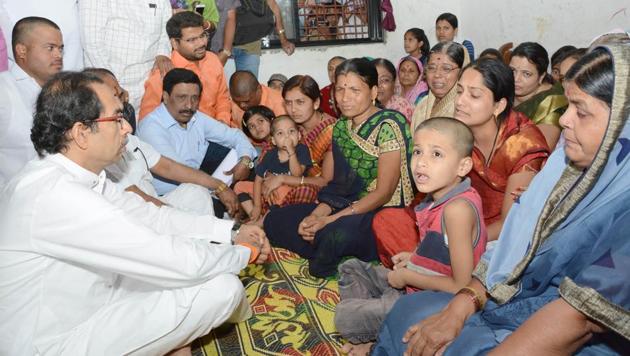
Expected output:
{"points": [[474, 297], [302, 181]]}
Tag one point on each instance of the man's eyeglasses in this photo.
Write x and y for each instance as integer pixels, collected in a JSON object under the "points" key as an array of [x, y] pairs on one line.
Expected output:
{"points": [[192, 40], [443, 69], [119, 117]]}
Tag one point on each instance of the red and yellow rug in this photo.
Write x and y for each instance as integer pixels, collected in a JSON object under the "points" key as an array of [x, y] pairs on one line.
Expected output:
{"points": [[293, 313]]}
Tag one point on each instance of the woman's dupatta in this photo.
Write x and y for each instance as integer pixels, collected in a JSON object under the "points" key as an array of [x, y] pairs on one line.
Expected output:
{"points": [[562, 194]]}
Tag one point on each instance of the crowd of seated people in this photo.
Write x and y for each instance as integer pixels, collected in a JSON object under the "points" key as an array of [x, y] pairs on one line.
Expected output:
{"points": [[466, 205]]}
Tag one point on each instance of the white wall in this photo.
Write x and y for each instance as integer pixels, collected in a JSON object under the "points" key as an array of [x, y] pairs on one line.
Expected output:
{"points": [[314, 60], [488, 23], [552, 23]]}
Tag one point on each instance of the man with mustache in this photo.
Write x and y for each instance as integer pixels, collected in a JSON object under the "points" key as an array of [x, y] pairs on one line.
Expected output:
{"points": [[38, 52], [88, 269], [178, 131], [189, 40], [133, 171]]}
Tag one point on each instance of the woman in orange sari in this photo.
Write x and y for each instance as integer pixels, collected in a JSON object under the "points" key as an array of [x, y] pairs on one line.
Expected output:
{"points": [[302, 101], [509, 150]]}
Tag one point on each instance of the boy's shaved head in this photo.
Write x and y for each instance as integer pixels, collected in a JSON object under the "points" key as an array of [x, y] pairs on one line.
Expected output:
{"points": [[279, 119], [461, 134]]}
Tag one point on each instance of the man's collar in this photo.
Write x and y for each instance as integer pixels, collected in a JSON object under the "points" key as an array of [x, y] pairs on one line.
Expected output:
{"points": [[180, 62], [19, 74], [81, 175]]}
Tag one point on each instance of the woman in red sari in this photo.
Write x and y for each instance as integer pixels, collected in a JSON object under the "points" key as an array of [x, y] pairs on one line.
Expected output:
{"points": [[509, 150], [327, 102], [302, 102]]}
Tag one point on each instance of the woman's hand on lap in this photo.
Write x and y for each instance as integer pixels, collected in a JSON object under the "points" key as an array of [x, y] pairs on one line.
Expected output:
{"points": [[310, 225], [432, 335], [271, 183]]}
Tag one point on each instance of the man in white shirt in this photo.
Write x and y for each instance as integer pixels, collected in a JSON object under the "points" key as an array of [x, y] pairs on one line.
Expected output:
{"points": [[128, 38], [86, 269], [38, 52], [133, 171], [65, 13], [179, 131]]}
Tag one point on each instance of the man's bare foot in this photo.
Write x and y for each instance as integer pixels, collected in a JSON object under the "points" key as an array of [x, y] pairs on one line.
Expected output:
{"points": [[184, 351], [356, 349]]}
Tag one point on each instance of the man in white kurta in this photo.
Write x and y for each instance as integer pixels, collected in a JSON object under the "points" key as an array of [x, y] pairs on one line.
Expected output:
{"points": [[65, 13], [19, 87], [133, 171], [87, 269]]}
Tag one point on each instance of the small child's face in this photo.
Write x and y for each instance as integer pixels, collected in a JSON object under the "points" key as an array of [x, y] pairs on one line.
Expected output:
{"points": [[436, 166], [259, 127], [285, 134]]}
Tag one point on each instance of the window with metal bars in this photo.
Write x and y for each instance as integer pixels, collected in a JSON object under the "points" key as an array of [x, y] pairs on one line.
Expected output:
{"points": [[328, 22]]}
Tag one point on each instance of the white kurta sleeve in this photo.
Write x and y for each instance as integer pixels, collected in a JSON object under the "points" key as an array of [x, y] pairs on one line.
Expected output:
{"points": [[167, 220], [75, 224], [150, 154]]}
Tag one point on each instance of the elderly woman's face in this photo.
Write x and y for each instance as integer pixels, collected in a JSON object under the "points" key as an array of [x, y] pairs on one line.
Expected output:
{"points": [[584, 124], [408, 73], [442, 74]]}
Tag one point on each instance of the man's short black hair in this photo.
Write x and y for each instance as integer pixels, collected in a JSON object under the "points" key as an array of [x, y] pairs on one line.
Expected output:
{"points": [[182, 20], [177, 76], [67, 98], [24, 26]]}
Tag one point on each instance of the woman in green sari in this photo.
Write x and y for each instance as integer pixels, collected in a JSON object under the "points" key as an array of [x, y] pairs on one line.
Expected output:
{"points": [[371, 148], [535, 96]]}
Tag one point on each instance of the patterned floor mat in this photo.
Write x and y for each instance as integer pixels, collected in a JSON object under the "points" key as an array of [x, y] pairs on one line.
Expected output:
{"points": [[292, 313]]}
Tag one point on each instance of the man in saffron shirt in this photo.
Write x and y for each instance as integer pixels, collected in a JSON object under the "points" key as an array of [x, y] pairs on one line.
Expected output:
{"points": [[247, 92], [187, 36]]}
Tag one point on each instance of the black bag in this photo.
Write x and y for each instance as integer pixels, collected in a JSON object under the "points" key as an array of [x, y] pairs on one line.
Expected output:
{"points": [[254, 20]]}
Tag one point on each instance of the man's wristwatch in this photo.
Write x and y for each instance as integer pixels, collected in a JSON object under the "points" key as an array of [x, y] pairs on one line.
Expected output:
{"points": [[247, 162], [226, 52], [236, 228]]}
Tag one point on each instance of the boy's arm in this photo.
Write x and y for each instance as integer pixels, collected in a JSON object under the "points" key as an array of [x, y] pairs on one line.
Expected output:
{"points": [[295, 167], [460, 219]]}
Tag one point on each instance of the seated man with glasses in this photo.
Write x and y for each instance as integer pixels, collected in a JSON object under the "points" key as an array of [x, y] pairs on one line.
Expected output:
{"points": [[88, 269], [189, 40]]}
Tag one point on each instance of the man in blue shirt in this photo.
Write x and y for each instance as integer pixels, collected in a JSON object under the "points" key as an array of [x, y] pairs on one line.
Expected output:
{"points": [[178, 131]]}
